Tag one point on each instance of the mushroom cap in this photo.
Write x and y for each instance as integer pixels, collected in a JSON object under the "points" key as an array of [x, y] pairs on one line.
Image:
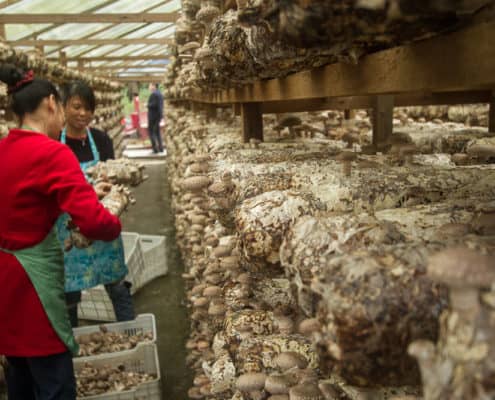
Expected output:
{"points": [[328, 391], [351, 137], [305, 391], [230, 262], [460, 158], [222, 251], [251, 381], [481, 150], [289, 121], [194, 393], [216, 309], [285, 324], [277, 384], [309, 326], [421, 349], [203, 52], [346, 156], [462, 267], [484, 223], [201, 302], [212, 291], [196, 182], [199, 168], [189, 46], [217, 189], [207, 14], [279, 397], [290, 359]]}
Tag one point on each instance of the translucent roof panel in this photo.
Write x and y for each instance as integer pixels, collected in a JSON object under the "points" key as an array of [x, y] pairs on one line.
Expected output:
{"points": [[148, 30], [52, 6], [118, 30], [131, 6], [171, 6], [73, 31]]}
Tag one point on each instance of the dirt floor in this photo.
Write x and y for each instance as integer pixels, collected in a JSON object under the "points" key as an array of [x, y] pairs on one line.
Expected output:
{"points": [[165, 296]]}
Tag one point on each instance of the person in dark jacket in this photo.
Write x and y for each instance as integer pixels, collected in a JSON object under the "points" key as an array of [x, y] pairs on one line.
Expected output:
{"points": [[155, 115], [103, 263]]}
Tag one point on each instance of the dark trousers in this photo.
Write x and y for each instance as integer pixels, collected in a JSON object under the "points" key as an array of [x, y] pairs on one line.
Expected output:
{"points": [[155, 137], [41, 378], [120, 295]]}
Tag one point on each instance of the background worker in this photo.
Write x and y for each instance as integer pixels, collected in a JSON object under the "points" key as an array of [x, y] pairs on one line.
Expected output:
{"points": [[155, 115], [40, 179], [102, 263]]}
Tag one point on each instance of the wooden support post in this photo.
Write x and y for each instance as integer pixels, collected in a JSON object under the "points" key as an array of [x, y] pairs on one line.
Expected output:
{"points": [[349, 114], [63, 58], [41, 49], [80, 65], [211, 111], [252, 121], [383, 114], [491, 115], [2, 31], [237, 108]]}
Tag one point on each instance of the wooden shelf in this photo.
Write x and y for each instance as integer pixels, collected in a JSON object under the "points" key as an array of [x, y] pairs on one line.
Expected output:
{"points": [[457, 62], [456, 68]]}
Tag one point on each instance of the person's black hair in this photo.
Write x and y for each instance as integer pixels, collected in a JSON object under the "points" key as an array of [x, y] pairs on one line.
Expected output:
{"points": [[82, 90], [25, 96]]}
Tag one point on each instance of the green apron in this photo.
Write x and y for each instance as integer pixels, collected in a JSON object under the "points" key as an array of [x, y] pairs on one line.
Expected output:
{"points": [[44, 264]]}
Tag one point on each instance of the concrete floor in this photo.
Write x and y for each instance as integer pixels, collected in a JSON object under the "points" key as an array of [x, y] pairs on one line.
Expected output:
{"points": [[165, 296]]}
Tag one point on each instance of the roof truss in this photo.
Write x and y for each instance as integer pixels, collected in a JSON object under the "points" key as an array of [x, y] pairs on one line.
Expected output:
{"points": [[113, 18]]}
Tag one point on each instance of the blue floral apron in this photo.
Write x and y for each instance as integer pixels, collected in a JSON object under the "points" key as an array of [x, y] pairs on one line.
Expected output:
{"points": [[100, 263]]}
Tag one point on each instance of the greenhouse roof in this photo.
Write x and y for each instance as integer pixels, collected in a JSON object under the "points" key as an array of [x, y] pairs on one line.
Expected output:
{"points": [[103, 36]]}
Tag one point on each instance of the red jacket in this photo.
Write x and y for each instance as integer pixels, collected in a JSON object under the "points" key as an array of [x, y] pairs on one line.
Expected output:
{"points": [[40, 178]]}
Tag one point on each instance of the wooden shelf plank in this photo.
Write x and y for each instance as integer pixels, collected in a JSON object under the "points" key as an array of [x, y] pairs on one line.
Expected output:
{"points": [[90, 42], [365, 102], [460, 61], [73, 18]]}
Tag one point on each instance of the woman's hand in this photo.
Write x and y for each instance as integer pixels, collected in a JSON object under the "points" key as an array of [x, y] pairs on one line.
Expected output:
{"points": [[102, 189]]}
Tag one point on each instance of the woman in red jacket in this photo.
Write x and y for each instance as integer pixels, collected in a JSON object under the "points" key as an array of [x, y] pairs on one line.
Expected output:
{"points": [[40, 179]]}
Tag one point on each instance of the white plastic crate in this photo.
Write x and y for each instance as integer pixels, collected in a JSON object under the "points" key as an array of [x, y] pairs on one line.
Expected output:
{"points": [[155, 260], [95, 305], [143, 323], [143, 359], [134, 258]]}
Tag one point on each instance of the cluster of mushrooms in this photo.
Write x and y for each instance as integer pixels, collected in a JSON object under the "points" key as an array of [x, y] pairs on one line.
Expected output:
{"points": [[222, 44], [308, 247], [92, 380], [105, 341], [120, 173], [108, 94]]}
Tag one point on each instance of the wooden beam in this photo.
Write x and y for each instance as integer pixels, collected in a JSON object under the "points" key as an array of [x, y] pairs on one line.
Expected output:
{"points": [[80, 65], [90, 42], [383, 114], [124, 67], [365, 102], [441, 64], [252, 121], [35, 34], [106, 28], [2, 31], [113, 18], [40, 48], [7, 3], [491, 115], [139, 78], [116, 58]]}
